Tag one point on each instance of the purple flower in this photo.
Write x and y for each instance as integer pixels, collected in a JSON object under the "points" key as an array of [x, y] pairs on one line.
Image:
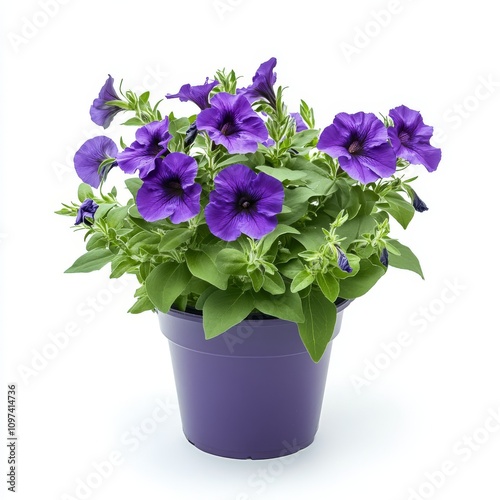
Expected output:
{"points": [[342, 260], [410, 138], [89, 157], [263, 82], [300, 124], [170, 191], [195, 93], [151, 143], [418, 204], [384, 257], [86, 211], [100, 112], [244, 202], [359, 141], [232, 122]]}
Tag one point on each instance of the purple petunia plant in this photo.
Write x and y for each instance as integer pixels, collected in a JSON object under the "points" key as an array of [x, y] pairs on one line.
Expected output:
{"points": [[249, 203]]}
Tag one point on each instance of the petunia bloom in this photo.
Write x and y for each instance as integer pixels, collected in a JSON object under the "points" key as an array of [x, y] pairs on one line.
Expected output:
{"points": [[410, 138], [151, 142], [418, 204], [359, 141], [232, 122], [195, 93], [300, 124], [100, 112], [244, 202], [343, 261], [170, 191], [89, 157], [262, 84], [86, 211]]}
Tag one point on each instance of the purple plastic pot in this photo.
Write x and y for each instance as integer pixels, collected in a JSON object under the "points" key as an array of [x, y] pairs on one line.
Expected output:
{"points": [[252, 392]]}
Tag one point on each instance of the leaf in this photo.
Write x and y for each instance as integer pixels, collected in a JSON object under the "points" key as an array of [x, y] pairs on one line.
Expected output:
{"points": [[120, 265], [282, 174], [303, 138], [368, 274], [133, 185], [274, 284], [399, 208], [142, 304], [231, 261], [268, 240], [407, 260], [165, 283], [91, 261], [224, 309], [116, 216], [329, 286], [142, 240], [172, 239], [257, 279], [354, 228], [232, 160], [202, 266], [135, 122], [287, 306], [302, 280], [311, 237], [318, 326], [85, 192], [297, 200], [97, 240]]}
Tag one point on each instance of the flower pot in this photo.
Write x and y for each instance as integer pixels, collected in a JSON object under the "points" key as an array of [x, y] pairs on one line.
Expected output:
{"points": [[252, 392]]}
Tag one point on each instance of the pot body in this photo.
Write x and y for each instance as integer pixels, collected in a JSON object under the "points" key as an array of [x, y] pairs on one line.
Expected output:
{"points": [[252, 392]]}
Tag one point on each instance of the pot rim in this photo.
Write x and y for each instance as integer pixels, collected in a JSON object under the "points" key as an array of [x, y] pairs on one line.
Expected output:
{"points": [[269, 320]]}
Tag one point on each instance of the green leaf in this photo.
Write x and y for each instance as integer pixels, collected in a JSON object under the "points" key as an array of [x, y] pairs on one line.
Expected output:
{"points": [[133, 185], [142, 304], [303, 138], [224, 309], [97, 240], [354, 228], [368, 274], [165, 283], [291, 268], [312, 237], [85, 192], [231, 261], [329, 286], [116, 217], [287, 306], [399, 208], [143, 239], [91, 261], [282, 174], [407, 260], [319, 324], [232, 160], [135, 122], [202, 266], [274, 284], [174, 238], [120, 265], [297, 200], [267, 242], [302, 280], [257, 279]]}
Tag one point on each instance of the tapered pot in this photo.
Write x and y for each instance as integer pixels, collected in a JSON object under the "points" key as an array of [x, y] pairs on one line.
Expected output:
{"points": [[252, 392]]}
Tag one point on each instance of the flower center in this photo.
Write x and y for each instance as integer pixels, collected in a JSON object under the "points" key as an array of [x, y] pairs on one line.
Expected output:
{"points": [[355, 147], [404, 137], [228, 126], [174, 185], [245, 203]]}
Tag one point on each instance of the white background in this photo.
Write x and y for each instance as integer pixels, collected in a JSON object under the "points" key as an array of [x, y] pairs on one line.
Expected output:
{"points": [[377, 442]]}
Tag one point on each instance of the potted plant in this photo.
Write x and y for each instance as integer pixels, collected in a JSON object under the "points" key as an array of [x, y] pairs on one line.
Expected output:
{"points": [[249, 231]]}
